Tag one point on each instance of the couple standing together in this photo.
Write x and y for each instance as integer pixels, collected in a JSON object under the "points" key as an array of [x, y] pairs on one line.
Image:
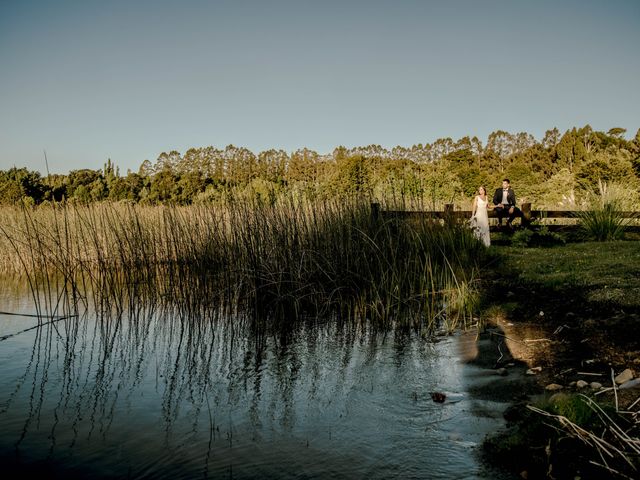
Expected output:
{"points": [[504, 203]]}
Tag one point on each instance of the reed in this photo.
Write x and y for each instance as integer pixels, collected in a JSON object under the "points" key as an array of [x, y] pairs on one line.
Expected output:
{"points": [[603, 221], [280, 260]]}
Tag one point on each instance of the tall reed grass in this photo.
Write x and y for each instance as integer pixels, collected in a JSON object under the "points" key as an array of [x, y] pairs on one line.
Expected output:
{"points": [[281, 260], [604, 221]]}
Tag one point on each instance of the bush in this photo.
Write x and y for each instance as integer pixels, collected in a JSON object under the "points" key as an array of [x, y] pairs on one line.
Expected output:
{"points": [[537, 238], [603, 223]]}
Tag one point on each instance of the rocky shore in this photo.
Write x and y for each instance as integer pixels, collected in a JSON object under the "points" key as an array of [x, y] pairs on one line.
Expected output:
{"points": [[575, 339]]}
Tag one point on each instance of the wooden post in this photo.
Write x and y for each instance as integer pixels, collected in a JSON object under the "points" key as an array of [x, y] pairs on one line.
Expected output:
{"points": [[448, 213], [375, 212], [526, 214]]}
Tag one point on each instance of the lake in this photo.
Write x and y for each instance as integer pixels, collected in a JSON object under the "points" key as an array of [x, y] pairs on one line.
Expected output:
{"points": [[160, 392]]}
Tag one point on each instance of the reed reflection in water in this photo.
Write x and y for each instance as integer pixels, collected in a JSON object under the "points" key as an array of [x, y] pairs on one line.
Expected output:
{"points": [[169, 392]]}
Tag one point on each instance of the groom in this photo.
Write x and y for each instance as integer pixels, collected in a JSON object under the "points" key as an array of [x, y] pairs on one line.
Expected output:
{"points": [[505, 203]]}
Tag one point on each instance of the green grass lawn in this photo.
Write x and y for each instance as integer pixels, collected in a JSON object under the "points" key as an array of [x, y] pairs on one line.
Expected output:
{"points": [[606, 273]]}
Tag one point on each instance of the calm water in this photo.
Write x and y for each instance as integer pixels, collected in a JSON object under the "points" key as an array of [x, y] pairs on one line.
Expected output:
{"points": [[160, 394]]}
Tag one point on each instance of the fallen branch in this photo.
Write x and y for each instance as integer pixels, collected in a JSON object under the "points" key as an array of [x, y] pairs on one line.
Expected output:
{"points": [[17, 314], [5, 337], [615, 390], [621, 445]]}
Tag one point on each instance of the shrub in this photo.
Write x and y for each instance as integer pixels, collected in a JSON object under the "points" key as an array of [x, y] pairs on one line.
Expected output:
{"points": [[537, 238], [603, 221]]}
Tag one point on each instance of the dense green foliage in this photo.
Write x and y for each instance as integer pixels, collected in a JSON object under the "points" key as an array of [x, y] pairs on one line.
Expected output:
{"points": [[551, 172]]}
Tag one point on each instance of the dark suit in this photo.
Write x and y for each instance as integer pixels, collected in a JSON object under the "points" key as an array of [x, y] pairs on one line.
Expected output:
{"points": [[502, 209]]}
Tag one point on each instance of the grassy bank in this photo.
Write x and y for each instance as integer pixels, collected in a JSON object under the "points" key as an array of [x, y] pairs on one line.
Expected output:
{"points": [[593, 288], [586, 297], [605, 273]]}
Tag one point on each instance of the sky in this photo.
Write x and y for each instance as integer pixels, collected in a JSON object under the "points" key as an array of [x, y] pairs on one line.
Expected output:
{"points": [[89, 80]]}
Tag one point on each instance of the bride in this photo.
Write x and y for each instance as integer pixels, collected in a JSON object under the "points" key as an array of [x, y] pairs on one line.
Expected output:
{"points": [[480, 216]]}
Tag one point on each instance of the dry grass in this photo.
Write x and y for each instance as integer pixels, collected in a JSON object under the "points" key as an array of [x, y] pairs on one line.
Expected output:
{"points": [[278, 260]]}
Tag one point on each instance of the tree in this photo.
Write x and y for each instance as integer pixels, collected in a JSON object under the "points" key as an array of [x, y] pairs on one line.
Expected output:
{"points": [[570, 151], [499, 147], [303, 166], [551, 138], [163, 187], [24, 184], [126, 188], [634, 148], [352, 175], [167, 161], [617, 132], [84, 177], [146, 169]]}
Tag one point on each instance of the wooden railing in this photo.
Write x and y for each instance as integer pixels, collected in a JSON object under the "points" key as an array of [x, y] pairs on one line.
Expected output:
{"points": [[450, 214]]}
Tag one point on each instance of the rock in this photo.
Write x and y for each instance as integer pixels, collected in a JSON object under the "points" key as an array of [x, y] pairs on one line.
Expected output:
{"points": [[625, 376], [582, 384], [438, 397], [595, 385], [524, 475], [630, 384], [533, 370], [558, 397], [503, 372], [516, 412], [553, 387]]}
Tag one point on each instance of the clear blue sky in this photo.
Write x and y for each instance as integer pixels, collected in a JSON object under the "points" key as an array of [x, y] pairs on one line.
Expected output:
{"points": [[88, 80]]}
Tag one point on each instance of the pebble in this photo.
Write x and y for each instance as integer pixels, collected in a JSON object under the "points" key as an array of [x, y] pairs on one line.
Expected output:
{"points": [[533, 370], [630, 384], [503, 372], [553, 387], [625, 376], [582, 384], [596, 385], [541, 313]]}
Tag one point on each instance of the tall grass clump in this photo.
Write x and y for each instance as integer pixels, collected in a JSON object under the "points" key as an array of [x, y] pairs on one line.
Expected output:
{"points": [[282, 259], [604, 220]]}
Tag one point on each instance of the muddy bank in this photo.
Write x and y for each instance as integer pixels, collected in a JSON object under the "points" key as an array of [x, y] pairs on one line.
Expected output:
{"points": [[528, 361], [571, 316]]}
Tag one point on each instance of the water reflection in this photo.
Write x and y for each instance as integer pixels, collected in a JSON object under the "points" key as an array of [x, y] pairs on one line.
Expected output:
{"points": [[175, 392]]}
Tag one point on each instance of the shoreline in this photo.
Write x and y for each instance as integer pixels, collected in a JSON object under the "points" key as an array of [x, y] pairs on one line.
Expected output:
{"points": [[573, 329]]}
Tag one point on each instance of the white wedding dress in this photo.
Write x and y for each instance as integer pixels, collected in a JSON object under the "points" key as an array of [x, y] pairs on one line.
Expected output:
{"points": [[481, 224]]}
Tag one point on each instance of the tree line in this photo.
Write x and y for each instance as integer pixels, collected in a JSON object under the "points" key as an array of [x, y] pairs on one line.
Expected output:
{"points": [[548, 172]]}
